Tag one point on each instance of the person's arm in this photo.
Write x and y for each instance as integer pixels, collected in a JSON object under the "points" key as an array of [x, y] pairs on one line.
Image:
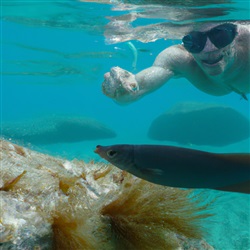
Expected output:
{"points": [[125, 87]]}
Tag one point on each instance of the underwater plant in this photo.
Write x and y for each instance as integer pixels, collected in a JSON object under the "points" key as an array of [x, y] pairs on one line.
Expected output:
{"points": [[145, 215]]}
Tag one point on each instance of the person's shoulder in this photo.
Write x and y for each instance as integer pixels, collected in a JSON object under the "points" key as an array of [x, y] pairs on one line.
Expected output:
{"points": [[175, 54], [175, 58]]}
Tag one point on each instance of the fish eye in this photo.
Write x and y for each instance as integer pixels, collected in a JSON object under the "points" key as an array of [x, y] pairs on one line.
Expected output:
{"points": [[111, 153]]}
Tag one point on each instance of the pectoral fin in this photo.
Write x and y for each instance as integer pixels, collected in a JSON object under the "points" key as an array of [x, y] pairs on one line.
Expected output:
{"points": [[152, 171]]}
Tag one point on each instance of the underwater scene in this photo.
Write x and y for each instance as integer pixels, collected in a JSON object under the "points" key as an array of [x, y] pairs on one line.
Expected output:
{"points": [[77, 77]]}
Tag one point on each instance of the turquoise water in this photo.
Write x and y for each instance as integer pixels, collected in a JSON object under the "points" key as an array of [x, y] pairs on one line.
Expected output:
{"points": [[54, 55]]}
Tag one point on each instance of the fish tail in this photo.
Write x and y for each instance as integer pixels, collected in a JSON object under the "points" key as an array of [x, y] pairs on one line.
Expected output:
{"points": [[242, 162], [242, 187], [239, 159]]}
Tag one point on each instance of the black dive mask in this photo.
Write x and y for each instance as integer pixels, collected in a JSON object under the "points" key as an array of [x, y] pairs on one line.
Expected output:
{"points": [[220, 36]]}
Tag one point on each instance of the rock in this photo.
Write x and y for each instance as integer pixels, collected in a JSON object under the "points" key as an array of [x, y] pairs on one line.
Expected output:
{"points": [[200, 124], [56, 129]]}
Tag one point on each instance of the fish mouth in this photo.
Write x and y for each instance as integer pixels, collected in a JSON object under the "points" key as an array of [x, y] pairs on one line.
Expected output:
{"points": [[97, 149], [212, 61]]}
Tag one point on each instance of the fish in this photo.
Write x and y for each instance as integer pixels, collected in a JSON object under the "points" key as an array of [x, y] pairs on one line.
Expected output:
{"points": [[181, 167]]}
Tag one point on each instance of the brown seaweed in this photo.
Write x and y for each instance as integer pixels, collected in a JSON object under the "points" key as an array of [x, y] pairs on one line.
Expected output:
{"points": [[11, 183], [143, 219]]}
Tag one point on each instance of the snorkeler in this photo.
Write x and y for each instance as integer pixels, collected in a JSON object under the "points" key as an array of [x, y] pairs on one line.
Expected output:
{"points": [[214, 59]]}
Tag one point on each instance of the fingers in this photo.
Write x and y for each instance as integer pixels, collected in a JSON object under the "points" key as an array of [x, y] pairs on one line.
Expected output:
{"points": [[106, 75], [107, 87], [120, 84], [133, 86]]}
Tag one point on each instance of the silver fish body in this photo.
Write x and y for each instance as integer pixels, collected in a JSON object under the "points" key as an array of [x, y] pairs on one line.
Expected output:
{"points": [[181, 167]]}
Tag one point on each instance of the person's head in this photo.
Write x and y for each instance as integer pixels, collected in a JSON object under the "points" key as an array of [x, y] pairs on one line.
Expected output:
{"points": [[212, 47]]}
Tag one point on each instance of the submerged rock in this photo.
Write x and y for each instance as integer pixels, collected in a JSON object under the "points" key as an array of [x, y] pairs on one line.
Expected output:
{"points": [[200, 124], [51, 203], [56, 129]]}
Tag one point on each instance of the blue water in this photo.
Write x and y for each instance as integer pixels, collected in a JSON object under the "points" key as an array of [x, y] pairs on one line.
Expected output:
{"points": [[41, 76]]}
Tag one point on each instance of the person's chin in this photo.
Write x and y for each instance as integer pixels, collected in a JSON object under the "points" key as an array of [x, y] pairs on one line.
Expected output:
{"points": [[213, 71]]}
